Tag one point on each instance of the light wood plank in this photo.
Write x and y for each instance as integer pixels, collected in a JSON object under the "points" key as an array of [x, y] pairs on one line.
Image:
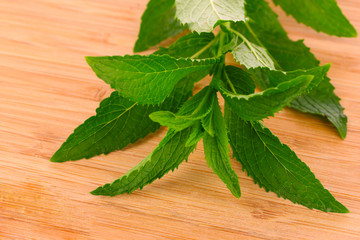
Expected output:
{"points": [[47, 90]]}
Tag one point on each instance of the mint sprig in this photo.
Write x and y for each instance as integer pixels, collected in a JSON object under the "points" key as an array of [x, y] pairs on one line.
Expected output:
{"points": [[157, 89]]}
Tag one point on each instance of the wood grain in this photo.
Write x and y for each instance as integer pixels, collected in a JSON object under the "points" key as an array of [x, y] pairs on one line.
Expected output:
{"points": [[47, 90]]}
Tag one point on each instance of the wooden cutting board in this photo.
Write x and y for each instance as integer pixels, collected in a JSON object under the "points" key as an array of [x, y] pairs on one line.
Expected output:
{"points": [[47, 89]]}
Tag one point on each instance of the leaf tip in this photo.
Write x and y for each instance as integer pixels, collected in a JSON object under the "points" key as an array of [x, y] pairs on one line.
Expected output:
{"points": [[237, 193], [57, 158], [138, 47], [98, 191], [89, 60], [327, 66], [352, 33], [340, 208]]}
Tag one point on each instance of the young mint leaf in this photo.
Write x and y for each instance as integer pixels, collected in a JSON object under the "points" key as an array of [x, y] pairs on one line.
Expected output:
{"points": [[189, 45], [167, 156], [275, 167], [169, 119], [264, 28], [266, 78], [203, 15], [199, 105], [252, 56], [208, 124], [322, 15], [157, 24], [146, 79], [194, 109], [118, 122], [257, 106], [217, 151], [196, 135]]}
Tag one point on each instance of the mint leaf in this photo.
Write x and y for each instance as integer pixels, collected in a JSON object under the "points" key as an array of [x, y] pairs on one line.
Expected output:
{"points": [[257, 106], [322, 15], [275, 167], [265, 78], [194, 109], [203, 15], [264, 28], [189, 45], [146, 79], [217, 151], [118, 122], [157, 24], [238, 80], [316, 100], [208, 124], [167, 156], [323, 101], [252, 56], [196, 135]]}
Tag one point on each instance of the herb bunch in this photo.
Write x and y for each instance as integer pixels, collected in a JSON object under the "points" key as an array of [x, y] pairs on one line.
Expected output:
{"points": [[156, 90]]}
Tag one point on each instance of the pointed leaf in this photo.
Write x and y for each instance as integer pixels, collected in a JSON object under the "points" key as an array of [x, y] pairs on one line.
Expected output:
{"points": [[118, 122], [145, 79], [194, 109], [157, 24], [266, 78], [217, 152], [322, 15], [203, 15], [166, 157], [257, 106], [265, 28], [275, 167]]}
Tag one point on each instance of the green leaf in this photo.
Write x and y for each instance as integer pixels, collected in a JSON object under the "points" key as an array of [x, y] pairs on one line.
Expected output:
{"points": [[118, 122], [208, 124], [323, 101], [157, 24], [321, 98], [169, 119], [167, 156], [275, 167], [196, 135], [217, 152], [194, 109], [238, 80], [257, 106], [189, 45], [322, 15], [252, 56], [203, 15], [264, 28], [266, 78], [146, 79]]}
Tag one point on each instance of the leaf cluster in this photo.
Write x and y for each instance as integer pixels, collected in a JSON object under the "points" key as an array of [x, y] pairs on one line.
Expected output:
{"points": [[157, 90]]}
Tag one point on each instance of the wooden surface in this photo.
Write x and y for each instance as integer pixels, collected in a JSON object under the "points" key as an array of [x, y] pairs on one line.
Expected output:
{"points": [[46, 90]]}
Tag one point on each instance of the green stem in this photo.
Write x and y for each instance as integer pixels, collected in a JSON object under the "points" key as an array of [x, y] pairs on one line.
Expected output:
{"points": [[222, 36]]}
